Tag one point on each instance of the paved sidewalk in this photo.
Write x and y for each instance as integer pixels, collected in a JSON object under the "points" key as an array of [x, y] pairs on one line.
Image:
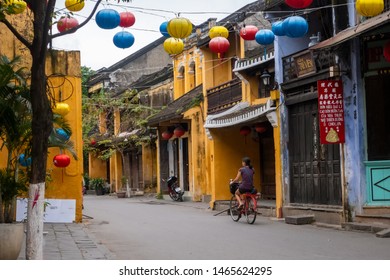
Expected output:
{"points": [[70, 242]]}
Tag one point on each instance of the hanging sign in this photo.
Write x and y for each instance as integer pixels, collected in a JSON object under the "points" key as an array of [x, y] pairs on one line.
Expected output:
{"points": [[331, 111]]}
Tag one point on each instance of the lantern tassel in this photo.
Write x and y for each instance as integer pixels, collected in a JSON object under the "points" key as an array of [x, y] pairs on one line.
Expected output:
{"points": [[265, 53]]}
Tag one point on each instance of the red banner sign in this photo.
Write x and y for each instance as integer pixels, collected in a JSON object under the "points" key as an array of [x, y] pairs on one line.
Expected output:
{"points": [[331, 111]]}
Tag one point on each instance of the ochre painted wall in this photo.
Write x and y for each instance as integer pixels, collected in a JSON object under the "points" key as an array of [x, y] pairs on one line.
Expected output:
{"points": [[149, 165], [97, 167]]}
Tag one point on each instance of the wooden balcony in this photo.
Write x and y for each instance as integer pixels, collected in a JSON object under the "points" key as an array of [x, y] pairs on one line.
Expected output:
{"points": [[224, 96]]}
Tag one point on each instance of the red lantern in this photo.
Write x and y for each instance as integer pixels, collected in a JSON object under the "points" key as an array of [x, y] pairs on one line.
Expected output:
{"points": [[386, 51], [61, 160], [127, 19], [93, 142], [66, 23], [166, 135], [219, 45], [248, 32], [245, 130], [179, 131], [299, 4], [260, 127]]}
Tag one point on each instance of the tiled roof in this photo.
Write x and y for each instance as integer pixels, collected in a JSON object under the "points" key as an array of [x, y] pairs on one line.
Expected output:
{"points": [[175, 109]]}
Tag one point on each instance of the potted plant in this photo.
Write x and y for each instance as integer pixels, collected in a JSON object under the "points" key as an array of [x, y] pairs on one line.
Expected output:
{"points": [[15, 119], [97, 184], [122, 193]]}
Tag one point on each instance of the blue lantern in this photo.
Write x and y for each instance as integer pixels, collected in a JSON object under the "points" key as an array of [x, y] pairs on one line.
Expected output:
{"points": [[107, 19], [164, 30], [23, 161], [123, 39], [264, 37], [277, 28], [295, 26], [62, 134]]}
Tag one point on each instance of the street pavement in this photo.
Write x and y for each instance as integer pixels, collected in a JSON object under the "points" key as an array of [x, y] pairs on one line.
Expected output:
{"points": [[146, 228]]}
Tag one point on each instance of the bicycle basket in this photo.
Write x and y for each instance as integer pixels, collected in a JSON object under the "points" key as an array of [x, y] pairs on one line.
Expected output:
{"points": [[233, 187]]}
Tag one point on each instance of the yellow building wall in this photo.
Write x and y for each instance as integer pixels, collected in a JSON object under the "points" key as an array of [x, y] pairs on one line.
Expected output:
{"points": [[149, 165], [228, 148], [63, 70], [97, 167]]}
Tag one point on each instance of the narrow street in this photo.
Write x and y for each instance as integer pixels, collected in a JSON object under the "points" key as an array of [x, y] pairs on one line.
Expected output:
{"points": [[145, 228]]}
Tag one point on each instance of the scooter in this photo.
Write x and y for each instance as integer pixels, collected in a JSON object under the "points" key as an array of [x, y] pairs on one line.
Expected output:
{"points": [[175, 191]]}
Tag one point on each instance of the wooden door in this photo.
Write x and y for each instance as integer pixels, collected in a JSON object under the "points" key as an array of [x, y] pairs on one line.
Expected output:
{"points": [[314, 168], [267, 159]]}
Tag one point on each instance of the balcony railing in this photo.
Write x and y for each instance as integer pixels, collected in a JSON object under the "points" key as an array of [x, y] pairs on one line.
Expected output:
{"points": [[224, 96]]}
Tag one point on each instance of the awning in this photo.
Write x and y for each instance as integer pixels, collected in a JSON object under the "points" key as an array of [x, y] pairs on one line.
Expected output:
{"points": [[176, 109], [241, 113], [353, 32]]}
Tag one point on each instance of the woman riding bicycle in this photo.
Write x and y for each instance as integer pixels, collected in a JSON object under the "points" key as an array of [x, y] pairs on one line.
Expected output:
{"points": [[246, 173]]}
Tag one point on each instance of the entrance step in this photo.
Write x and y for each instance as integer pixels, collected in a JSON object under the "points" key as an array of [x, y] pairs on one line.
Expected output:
{"points": [[324, 214], [373, 218], [299, 219], [376, 210], [378, 228]]}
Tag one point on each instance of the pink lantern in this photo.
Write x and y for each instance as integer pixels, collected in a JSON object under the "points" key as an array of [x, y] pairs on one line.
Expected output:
{"points": [[66, 23], [179, 131], [127, 19], [61, 160], [386, 51], [219, 45], [248, 32], [299, 4], [166, 135]]}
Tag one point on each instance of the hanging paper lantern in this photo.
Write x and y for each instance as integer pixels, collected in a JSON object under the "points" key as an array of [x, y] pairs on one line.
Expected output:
{"points": [[265, 37], [93, 142], [61, 108], [370, 8], [127, 19], [123, 39], [277, 28], [219, 45], [61, 160], [173, 45], [74, 5], [386, 51], [107, 19], [245, 130], [299, 4], [179, 28], [62, 134], [295, 26], [218, 31], [66, 23], [248, 32], [261, 127], [23, 161], [179, 131], [166, 135], [15, 6], [164, 30]]}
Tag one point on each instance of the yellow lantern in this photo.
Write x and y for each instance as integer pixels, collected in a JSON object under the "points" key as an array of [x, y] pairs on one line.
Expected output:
{"points": [[179, 28], [218, 31], [370, 8], [16, 6], [74, 5], [173, 45], [61, 108]]}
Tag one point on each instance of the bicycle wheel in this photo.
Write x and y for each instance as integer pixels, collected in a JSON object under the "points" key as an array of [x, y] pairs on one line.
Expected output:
{"points": [[250, 210], [234, 212], [173, 196]]}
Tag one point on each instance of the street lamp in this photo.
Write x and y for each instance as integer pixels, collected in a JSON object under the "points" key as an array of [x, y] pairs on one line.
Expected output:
{"points": [[265, 77]]}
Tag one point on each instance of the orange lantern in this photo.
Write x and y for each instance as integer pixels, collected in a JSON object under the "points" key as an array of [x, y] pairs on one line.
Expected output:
{"points": [[370, 8], [179, 28]]}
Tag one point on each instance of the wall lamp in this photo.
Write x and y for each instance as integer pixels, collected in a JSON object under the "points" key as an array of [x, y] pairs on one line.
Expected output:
{"points": [[265, 77]]}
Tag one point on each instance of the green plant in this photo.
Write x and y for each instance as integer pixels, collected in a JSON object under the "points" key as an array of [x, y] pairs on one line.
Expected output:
{"points": [[97, 183], [86, 181]]}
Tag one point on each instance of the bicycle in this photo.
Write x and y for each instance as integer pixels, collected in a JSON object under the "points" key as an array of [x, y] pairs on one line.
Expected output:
{"points": [[249, 209]]}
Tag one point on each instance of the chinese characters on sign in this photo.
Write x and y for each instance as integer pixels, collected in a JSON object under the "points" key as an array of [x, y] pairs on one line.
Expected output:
{"points": [[331, 111]]}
